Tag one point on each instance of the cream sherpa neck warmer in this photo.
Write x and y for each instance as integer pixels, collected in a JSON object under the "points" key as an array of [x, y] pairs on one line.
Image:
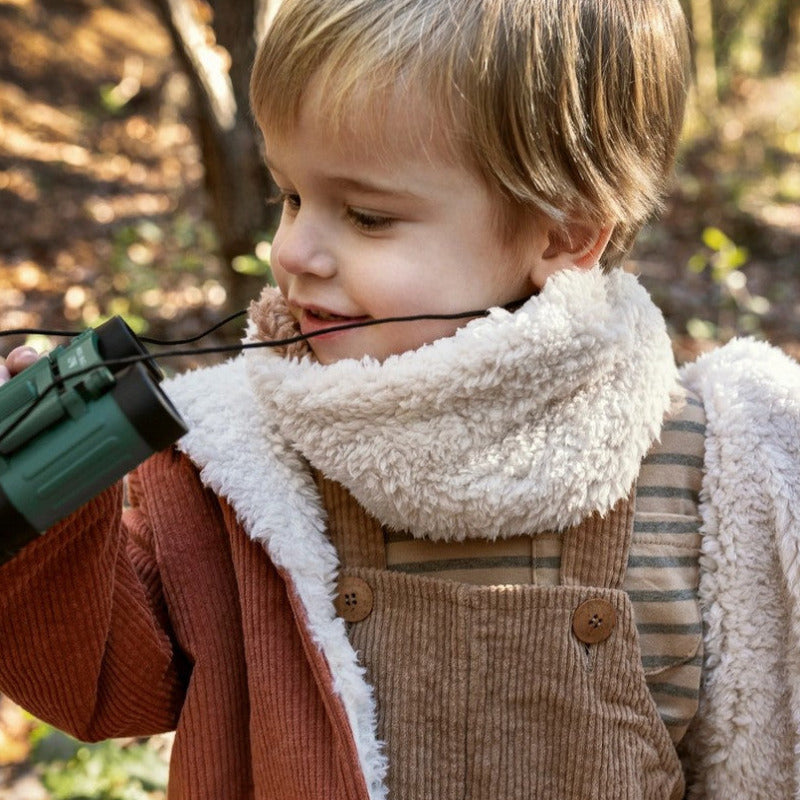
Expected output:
{"points": [[520, 422]]}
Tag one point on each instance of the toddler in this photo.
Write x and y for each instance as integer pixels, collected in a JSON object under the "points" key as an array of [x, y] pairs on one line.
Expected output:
{"points": [[512, 556]]}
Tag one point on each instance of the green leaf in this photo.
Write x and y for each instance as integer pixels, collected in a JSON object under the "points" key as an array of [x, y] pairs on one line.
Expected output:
{"points": [[110, 770], [701, 329], [49, 744], [716, 240], [250, 265], [697, 263]]}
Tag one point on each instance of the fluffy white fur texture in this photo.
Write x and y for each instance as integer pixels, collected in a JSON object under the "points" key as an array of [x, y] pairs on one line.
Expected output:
{"points": [[276, 500], [746, 739], [510, 426], [589, 351], [519, 423], [594, 350]]}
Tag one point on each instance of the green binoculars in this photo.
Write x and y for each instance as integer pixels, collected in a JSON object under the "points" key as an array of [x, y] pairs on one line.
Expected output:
{"points": [[73, 424]]}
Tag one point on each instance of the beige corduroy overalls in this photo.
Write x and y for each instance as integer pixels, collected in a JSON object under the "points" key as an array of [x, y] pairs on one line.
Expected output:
{"points": [[517, 692]]}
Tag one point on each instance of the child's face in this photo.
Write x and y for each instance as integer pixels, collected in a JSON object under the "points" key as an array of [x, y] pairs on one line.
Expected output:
{"points": [[369, 232]]}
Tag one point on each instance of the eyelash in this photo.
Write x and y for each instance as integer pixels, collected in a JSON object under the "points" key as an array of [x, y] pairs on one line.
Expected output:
{"points": [[286, 199], [361, 219], [368, 222]]}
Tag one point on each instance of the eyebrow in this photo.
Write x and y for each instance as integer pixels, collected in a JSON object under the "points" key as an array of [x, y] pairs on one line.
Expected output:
{"points": [[370, 187], [357, 184]]}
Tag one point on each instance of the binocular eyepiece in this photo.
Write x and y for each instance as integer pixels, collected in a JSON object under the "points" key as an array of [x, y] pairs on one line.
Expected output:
{"points": [[74, 423]]}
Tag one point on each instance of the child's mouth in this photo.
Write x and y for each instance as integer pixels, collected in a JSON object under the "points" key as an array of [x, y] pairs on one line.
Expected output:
{"points": [[326, 316], [316, 319]]}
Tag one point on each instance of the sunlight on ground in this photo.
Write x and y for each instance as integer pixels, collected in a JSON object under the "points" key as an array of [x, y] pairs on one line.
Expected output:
{"points": [[94, 139]]}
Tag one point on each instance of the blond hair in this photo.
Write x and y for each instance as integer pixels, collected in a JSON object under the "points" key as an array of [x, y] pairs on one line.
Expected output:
{"points": [[571, 108]]}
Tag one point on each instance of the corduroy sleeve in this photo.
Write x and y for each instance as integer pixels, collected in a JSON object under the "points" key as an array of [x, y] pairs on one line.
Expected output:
{"points": [[85, 642]]}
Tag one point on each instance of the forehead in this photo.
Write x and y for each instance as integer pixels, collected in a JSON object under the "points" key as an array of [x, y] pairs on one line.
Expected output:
{"points": [[380, 151], [380, 122]]}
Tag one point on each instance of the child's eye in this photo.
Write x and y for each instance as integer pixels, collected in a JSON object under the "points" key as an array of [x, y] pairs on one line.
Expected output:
{"points": [[366, 221], [289, 200]]}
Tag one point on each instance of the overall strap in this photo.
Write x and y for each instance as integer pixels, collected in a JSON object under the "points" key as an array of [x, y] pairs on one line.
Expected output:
{"points": [[595, 551], [356, 535]]}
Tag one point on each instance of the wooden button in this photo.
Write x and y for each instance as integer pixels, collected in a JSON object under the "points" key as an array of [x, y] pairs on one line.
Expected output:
{"points": [[354, 599], [594, 620]]}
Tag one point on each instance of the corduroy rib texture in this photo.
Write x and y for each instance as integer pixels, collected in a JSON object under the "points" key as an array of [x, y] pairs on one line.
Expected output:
{"points": [[87, 644], [484, 691]]}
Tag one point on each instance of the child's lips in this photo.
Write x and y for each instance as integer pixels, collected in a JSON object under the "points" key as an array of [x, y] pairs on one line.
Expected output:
{"points": [[326, 316], [313, 320]]}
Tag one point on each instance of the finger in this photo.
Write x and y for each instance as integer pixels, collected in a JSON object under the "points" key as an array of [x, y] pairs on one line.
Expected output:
{"points": [[20, 358], [5, 375]]}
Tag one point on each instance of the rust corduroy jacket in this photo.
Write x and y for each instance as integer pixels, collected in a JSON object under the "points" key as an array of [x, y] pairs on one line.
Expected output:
{"points": [[250, 695]]}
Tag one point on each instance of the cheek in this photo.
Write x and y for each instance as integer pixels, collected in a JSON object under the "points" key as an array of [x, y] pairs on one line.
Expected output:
{"points": [[397, 291], [278, 272], [281, 279]]}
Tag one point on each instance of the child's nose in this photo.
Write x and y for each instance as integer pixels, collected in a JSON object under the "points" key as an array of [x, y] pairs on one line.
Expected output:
{"points": [[300, 247]]}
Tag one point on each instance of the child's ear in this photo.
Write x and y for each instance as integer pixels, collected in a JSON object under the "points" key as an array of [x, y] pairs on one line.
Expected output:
{"points": [[569, 246]]}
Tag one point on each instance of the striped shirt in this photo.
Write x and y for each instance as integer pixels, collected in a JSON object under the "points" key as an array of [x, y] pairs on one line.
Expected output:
{"points": [[663, 565]]}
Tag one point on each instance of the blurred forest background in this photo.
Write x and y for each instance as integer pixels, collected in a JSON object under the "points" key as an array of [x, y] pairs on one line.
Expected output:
{"points": [[130, 183]]}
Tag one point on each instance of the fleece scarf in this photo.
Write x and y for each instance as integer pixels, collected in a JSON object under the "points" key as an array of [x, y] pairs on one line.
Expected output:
{"points": [[520, 422], [551, 407]]}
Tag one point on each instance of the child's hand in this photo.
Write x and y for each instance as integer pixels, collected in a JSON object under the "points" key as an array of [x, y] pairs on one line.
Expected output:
{"points": [[16, 361]]}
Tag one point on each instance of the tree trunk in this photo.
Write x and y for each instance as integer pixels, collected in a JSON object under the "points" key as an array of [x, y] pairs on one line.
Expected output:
{"points": [[219, 69], [705, 61], [781, 36]]}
